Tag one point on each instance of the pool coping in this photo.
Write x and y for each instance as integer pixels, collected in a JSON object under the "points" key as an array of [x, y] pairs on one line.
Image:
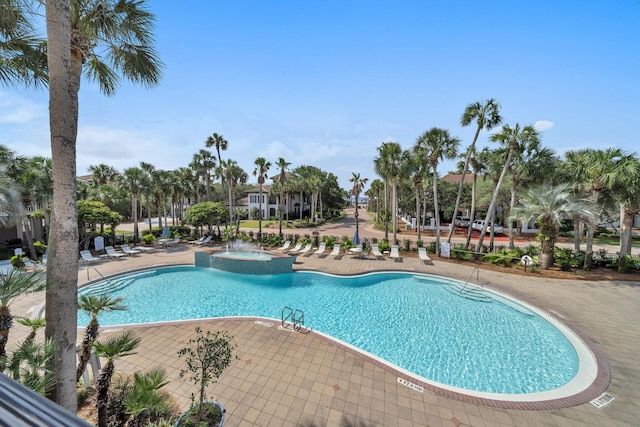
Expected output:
{"points": [[599, 384]]}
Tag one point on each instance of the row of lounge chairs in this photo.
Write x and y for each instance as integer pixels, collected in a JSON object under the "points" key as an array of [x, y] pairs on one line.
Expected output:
{"points": [[111, 253], [394, 252]]}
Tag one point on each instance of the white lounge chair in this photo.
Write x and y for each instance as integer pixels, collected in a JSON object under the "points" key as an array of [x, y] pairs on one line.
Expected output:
{"points": [[5, 268], [285, 246], [336, 250], [321, 248], [88, 258], [395, 253], [375, 250], [422, 254], [306, 249], [127, 250], [31, 265], [296, 249], [112, 253], [205, 241], [196, 242]]}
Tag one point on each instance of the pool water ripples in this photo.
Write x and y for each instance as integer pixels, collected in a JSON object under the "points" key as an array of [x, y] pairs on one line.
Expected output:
{"points": [[415, 323]]}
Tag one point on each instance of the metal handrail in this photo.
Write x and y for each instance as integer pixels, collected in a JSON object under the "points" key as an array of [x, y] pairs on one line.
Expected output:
{"points": [[99, 274], [288, 316], [477, 270]]}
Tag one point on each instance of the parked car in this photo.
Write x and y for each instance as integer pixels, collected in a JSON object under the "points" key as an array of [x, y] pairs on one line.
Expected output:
{"points": [[461, 221], [478, 224]]}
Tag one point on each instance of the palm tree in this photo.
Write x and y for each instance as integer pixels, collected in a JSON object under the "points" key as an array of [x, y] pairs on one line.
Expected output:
{"points": [[282, 179], [94, 306], [358, 186], [206, 163], [133, 179], [436, 144], [262, 167], [627, 194], [388, 165], [509, 138], [486, 115], [144, 398], [219, 142], [531, 164], [35, 323], [107, 38], [28, 365], [476, 164], [149, 170], [13, 285], [375, 188], [598, 171], [23, 57], [548, 206], [234, 175], [102, 174], [112, 348]]}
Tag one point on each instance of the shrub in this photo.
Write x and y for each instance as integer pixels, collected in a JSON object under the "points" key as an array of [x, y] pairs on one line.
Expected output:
{"points": [[148, 239], [407, 244]]}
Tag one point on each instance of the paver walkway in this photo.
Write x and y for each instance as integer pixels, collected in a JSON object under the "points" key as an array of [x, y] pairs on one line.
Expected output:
{"points": [[283, 378]]}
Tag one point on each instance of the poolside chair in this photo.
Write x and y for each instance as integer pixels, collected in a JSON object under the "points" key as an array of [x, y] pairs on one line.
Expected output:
{"points": [[306, 249], [205, 241], [422, 254], [321, 248], [296, 249], [5, 268], [336, 251], [31, 265], [375, 250], [196, 242], [127, 250], [395, 253], [285, 246], [112, 253], [87, 258]]}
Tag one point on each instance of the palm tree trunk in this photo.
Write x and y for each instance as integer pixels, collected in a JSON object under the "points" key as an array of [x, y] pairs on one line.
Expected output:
{"points": [[102, 388], [512, 205], [260, 215], [473, 210], [90, 336], [591, 229], [394, 214], [386, 210], [576, 232], [134, 213], [436, 209], [494, 199], [26, 226], [418, 211], [62, 268], [461, 186]]}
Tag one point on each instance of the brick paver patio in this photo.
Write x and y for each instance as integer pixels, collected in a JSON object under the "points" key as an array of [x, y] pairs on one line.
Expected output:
{"points": [[283, 378]]}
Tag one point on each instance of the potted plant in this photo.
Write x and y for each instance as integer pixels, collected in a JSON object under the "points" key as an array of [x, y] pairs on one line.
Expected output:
{"points": [[206, 356]]}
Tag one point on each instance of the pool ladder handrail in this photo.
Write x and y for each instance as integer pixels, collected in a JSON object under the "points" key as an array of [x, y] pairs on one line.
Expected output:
{"points": [[99, 274], [295, 317], [477, 271]]}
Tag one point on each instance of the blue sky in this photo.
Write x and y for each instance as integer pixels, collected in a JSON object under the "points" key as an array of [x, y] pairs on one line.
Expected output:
{"points": [[324, 83]]}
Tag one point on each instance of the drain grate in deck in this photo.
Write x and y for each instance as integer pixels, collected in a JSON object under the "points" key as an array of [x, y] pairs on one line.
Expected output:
{"points": [[604, 399]]}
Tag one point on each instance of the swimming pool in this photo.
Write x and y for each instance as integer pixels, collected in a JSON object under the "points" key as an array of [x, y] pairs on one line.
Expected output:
{"points": [[421, 324]]}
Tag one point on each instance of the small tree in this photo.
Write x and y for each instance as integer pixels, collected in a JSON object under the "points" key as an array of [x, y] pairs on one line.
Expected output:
{"points": [[206, 356]]}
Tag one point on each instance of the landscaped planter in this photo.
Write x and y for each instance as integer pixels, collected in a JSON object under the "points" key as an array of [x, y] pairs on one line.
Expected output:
{"points": [[185, 421]]}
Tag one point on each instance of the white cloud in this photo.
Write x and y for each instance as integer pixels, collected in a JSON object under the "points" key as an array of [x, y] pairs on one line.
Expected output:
{"points": [[541, 125], [17, 109]]}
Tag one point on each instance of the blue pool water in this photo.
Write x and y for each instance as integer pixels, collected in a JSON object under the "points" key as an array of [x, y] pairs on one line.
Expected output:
{"points": [[419, 323]]}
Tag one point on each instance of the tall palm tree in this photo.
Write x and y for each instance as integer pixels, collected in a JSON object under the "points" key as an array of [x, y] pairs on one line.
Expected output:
{"points": [[282, 180], [206, 163], [356, 189], [105, 39], [262, 167], [509, 138], [148, 169], [219, 142], [598, 171], [548, 206], [388, 165], [486, 115], [112, 348], [102, 174], [375, 189], [476, 164], [23, 59], [234, 175], [13, 285], [133, 180], [436, 145], [94, 306]]}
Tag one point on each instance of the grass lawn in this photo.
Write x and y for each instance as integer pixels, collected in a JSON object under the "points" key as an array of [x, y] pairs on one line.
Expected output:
{"points": [[253, 223]]}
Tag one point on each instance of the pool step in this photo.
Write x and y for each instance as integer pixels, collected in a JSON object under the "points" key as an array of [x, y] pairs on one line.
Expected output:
{"points": [[466, 291]]}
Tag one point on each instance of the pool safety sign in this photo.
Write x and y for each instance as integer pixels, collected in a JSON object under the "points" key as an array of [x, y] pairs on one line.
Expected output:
{"points": [[412, 386]]}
